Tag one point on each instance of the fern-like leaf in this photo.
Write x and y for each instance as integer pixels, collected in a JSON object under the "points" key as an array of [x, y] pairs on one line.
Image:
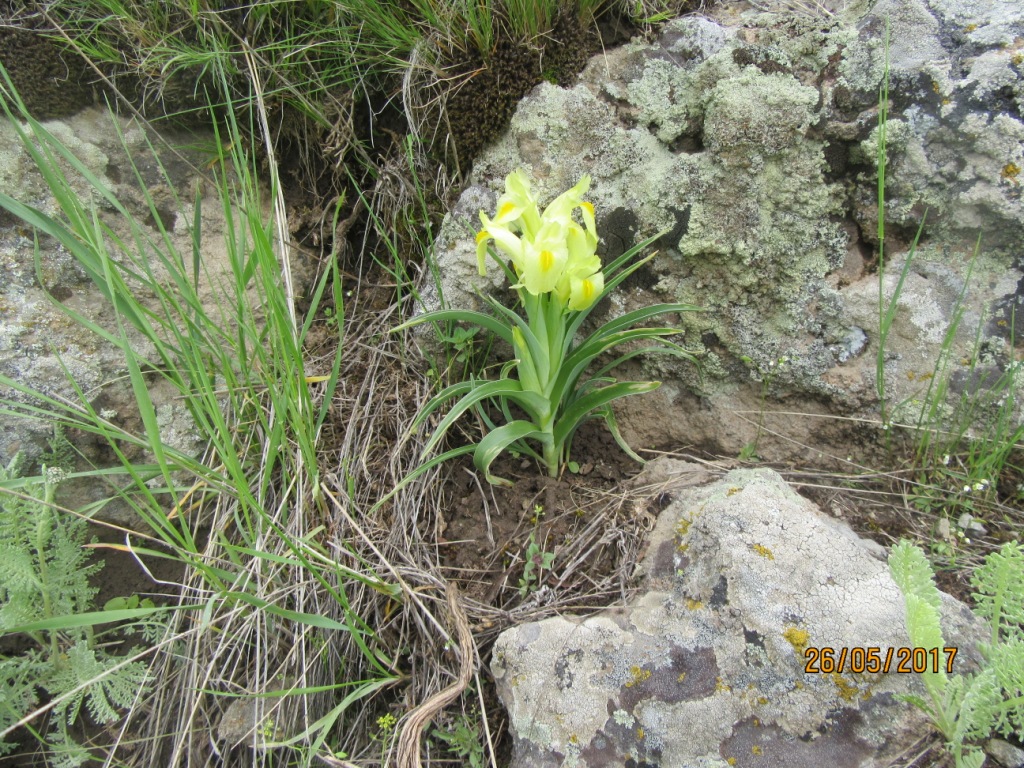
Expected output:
{"points": [[105, 688], [913, 574], [65, 752], [19, 678], [978, 706], [999, 589], [1007, 663], [971, 757]]}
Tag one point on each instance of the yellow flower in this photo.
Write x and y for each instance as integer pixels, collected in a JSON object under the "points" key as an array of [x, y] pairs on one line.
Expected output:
{"points": [[584, 291], [583, 271], [549, 250], [502, 236], [544, 259], [519, 204]]}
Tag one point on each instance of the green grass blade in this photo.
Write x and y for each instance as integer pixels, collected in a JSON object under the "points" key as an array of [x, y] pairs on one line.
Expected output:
{"points": [[89, 619]]}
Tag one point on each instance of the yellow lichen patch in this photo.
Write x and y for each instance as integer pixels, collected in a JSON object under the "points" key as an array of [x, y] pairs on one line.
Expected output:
{"points": [[763, 551], [797, 638], [848, 690], [682, 528], [682, 676], [640, 734], [731, 760], [1010, 172], [733, 491], [720, 686], [970, 27], [693, 605], [637, 675], [1017, 59], [757, 750]]}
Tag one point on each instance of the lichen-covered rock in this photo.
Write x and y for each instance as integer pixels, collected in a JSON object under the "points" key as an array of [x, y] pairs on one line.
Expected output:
{"points": [[745, 581], [749, 141], [958, 95]]}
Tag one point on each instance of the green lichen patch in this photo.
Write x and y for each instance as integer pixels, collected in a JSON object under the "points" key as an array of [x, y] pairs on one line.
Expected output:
{"points": [[758, 111]]}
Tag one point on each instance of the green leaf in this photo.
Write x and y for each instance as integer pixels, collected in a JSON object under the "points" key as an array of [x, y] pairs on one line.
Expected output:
{"points": [[999, 588], [976, 706], [971, 757], [454, 390], [576, 364], [104, 683], [613, 427], [121, 603], [486, 322], [912, 573], [578, 410], [509, 388], [90, 619], [90, 260], [922, 622], [526, 367], [497, 441], [628, 320]]}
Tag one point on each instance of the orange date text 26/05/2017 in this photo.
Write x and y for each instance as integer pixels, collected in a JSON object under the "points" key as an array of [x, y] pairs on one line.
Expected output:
{"points": [[827, 660]]}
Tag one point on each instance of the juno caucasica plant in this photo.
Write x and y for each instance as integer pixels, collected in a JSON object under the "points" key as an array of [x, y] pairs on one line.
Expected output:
{"points": [[550, 259]]}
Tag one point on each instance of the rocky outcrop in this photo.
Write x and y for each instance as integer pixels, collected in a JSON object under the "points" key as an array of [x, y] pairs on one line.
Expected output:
{"points": [[708, 664], [750, 141]]}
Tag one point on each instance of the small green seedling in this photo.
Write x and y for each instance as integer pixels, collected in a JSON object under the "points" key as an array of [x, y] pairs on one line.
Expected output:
{"points": [[463, 741], [537, 561]]}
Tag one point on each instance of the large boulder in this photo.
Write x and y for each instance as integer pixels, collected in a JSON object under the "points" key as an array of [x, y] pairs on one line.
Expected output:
{"points": [[750, 140], [708, 664]]}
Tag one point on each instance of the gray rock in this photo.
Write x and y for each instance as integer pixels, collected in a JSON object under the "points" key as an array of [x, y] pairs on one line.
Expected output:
{"points": [[750, 139], [1007, 754], [708, 663]]}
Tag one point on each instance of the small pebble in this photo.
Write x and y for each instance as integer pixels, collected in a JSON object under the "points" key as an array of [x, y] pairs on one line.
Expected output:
{"points": [[1007, 754], [971, 526]]}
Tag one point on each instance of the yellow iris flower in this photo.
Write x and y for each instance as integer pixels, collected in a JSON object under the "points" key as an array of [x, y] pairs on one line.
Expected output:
{"points": [[550, 251]]}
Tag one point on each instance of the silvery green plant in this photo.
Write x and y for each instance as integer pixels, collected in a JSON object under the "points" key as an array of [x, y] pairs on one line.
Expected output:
{"points": [[969, 707], [550, 259], [44, 588]]}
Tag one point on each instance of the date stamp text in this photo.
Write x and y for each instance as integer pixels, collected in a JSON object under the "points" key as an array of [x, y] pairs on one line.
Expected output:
{"points": [[827, 660]]}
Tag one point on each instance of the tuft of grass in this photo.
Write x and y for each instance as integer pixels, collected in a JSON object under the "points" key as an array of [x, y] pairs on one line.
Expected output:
{"points": [[267, 572]]}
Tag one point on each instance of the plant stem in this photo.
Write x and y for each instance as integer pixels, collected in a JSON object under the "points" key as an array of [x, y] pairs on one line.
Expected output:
{"points": [[551, 455]]}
